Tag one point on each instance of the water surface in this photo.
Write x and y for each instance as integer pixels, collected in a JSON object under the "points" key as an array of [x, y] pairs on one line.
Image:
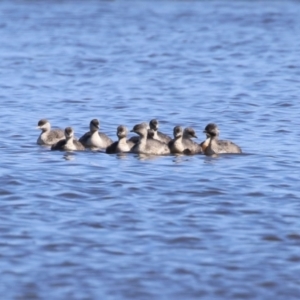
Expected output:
{"points": [[95, 226]]}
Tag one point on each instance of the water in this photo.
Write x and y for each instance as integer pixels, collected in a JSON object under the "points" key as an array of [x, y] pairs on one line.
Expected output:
{"points": [[95, 226]]}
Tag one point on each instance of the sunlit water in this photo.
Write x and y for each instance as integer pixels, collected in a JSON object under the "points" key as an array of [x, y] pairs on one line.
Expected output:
{"points": [[95, 226]]}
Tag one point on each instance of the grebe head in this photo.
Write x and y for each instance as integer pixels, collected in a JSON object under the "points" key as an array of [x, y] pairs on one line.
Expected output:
{"points": [[122, 131], [177, 132], [94, 125], [140, 129], [153, 124], [189, 133], [211, 130], [44, 125], [69, 132]]}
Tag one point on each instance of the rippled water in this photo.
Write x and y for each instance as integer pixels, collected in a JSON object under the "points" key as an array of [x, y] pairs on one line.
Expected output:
{"points": [[96, 226]]}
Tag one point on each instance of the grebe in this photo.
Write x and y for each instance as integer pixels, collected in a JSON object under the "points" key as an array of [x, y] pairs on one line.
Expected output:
{"points": [[69, 143], [212, 145], [94, 139], [148, 146], [48, 137], [182, 142], [122, 145], [192, 147], [158, 135]]}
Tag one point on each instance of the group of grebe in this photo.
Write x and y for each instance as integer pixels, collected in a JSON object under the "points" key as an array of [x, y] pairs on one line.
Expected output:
{"points": [[149, 140]]}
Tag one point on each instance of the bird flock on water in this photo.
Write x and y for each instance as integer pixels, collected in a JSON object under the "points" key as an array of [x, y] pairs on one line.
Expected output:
{"points": [[148, 141]]}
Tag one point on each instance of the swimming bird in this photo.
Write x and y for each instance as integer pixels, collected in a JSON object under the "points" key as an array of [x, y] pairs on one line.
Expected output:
{"points": [[182, 142], [122, 145], [190, 146], [48, 137], [212, 145], [148, 146], [94, 139], [158, 135], [176, 145], [153, 133], [69, 143]]}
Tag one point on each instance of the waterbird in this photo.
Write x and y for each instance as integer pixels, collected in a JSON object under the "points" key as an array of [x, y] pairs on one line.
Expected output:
{"points": [[190, 146], [213, 146], [153, 133], [69, 143], [95, 139], [182, 142], [154, 124], [148, 146], [48, 137], [122, 145]]}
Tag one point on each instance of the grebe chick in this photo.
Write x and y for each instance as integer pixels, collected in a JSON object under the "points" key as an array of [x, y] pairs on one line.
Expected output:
{"points": [[182, 142], [190, 146], [176, 145], [136, 138], [153, 133], [94, 139], [69, 143], [212, 145], [48, 137], [159, 135], [122, 145], [148, 146]]}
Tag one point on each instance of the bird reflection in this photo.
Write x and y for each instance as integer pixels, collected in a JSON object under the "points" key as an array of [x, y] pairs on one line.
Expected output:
{"points": [[69, 156]]}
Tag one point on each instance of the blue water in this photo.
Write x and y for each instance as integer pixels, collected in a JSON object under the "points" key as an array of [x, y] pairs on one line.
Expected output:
{"points": [[94, 226]]}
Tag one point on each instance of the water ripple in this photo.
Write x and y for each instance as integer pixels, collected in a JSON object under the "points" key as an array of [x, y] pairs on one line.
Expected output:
{"points": [[94, 226]]}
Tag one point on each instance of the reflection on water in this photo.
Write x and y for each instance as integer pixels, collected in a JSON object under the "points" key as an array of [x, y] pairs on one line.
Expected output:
{"points": [[88, 225], [146, 156], [122, 155], [69, 156]]}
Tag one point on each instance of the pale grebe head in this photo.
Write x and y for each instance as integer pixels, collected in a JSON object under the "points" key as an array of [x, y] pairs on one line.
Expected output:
{"points": [[122, 131], [177, 132], [94, 125], [189, 133], [211, 130], [44, 125], [140, 129], [153, 124]]}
